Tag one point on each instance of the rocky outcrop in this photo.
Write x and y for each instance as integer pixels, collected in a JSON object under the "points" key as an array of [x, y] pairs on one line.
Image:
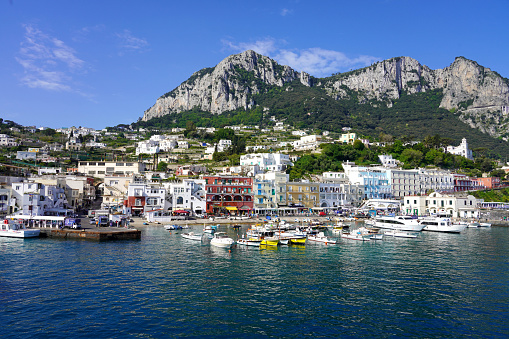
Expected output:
{"points": [[474, 92], [228, 86]]}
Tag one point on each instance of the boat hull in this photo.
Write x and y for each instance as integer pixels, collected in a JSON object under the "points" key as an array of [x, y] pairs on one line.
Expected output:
{"points": [[20, 233], [455, 228]]}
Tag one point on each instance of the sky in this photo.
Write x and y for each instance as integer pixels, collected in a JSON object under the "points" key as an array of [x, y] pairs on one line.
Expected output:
{"points": [[98, 63]]}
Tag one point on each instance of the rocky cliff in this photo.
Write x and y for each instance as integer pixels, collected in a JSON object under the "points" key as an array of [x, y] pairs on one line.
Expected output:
{"points": [[228, 86], [476, 94]]}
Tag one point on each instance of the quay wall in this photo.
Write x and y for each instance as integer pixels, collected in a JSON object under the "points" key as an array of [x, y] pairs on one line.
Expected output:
{"points": [[102, 235]]}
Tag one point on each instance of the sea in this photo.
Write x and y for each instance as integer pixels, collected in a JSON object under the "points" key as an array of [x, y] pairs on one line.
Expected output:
{"points": [[437, 285]]}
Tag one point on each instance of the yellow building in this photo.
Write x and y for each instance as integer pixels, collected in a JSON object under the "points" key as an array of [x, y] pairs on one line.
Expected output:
{"points": [[303, 194]]}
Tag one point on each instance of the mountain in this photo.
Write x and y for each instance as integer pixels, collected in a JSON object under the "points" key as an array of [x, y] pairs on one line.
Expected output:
{"points": [[397, 96]]}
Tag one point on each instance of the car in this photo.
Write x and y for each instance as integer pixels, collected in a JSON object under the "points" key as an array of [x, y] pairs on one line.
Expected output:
{"points": [[92, 221]]}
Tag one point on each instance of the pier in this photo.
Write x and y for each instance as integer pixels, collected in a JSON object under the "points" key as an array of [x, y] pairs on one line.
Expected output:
{"points": [[96, 233]]}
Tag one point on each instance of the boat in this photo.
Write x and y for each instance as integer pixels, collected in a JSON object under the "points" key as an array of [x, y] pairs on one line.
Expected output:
{"points": [[474, 224], [220, 239], [400, 234], [9, 228], [192, 236], [269, 241], [484, 224], [320, 237], [249, 242], [441, 224], [399, 223], [354, 235], [297, 241], [209, 229], [172, 227]]}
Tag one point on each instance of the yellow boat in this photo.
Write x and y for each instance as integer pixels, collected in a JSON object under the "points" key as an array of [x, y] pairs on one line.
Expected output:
{"points": [[298, 241], [270, 242]]}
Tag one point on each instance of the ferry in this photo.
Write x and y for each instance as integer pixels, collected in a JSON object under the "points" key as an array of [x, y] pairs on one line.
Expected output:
{"points": [[9, 228], [399, 223]]}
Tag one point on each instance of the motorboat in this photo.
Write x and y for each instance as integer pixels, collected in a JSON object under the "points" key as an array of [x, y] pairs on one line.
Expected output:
{"points": [[442, 224], [9, 228], [269, 241], [249, 242], [353, 235], [220, 239], [297, 241], [399, 223], [209, 229], [474, 224], [192, 236], [172, 227], [400, 234], [484, 224], [320, 237]]}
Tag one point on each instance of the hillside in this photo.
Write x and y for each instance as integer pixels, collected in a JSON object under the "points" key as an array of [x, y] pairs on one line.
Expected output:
{"points": [[398, 96]]}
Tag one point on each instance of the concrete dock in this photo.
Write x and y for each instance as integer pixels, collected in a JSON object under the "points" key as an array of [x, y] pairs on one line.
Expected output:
{"points": [[95, 233]]}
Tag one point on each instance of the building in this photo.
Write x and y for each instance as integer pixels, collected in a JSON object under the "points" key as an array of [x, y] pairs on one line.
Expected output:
{"points": [[7, 141], [115, 191], [387, 160], [462, 150], [23, 155], [304, 196], [374, 180], [229, 194], [143, 198], [271, 162], [489, 182], [308, 142], [100, 169], [188, 195], [347, 138], [466, 206]]}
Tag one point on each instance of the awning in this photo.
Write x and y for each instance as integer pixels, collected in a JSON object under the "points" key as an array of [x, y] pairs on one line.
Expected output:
{"points": [[231, 208], [180, 211]]}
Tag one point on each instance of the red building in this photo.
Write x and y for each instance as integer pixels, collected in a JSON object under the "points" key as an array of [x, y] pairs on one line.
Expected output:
{"points": [[463, 183], [229, 194]]}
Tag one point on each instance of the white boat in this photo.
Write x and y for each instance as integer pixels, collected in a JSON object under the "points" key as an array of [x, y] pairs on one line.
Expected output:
{"points": [[354, 235], [320, 237], [209, 229], [170, 227], [484, 224], [399, 223], [441, 224], [192, 236], [220, 239], [400, 234], [9, 228], [249, 242], [474, 224]]}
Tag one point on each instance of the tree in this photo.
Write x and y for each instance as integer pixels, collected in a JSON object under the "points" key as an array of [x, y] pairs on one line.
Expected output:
{"points": [[411, 158], [162, 166], [358, 145]]}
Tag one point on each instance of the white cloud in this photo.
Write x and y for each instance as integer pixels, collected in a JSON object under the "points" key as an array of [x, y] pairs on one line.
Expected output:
{"points": [[129, 42], [286, 11], [47, 61], [315, 61]]}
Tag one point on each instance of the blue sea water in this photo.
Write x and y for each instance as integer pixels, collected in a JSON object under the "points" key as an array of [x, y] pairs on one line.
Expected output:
{"points": [[434, 286]]}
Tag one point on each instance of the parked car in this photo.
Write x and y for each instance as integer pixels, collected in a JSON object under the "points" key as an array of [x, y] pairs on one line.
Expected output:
{"points": [[92, 221]]}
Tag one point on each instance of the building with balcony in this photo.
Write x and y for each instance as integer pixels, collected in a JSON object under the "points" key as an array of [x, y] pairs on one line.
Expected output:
{"points": [[229, 194], [100, 169]]}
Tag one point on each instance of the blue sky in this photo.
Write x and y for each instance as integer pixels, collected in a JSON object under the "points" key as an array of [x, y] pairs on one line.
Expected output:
{"points": [[102, 63]]}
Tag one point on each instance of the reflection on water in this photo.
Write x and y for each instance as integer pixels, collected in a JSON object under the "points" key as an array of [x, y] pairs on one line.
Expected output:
{"points": [[437, 285]]}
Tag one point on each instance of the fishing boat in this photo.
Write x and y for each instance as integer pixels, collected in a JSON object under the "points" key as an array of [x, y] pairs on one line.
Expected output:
{"points": [[269, 241], [192, 236], [320, 237], [9, 228], [220, 239]]}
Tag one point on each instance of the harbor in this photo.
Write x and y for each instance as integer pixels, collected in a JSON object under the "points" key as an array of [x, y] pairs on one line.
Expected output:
{"points": [[166, 285]]}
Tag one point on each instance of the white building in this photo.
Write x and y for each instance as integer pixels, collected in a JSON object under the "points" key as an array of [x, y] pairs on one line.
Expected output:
{"points": [[339, 193], [462, 150], [188, 195], [387, 160], [7, 141], [308, 142], [147, 147], [374, 180], [36, 199], [272, 162], [457, 206], [100, 169]]}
